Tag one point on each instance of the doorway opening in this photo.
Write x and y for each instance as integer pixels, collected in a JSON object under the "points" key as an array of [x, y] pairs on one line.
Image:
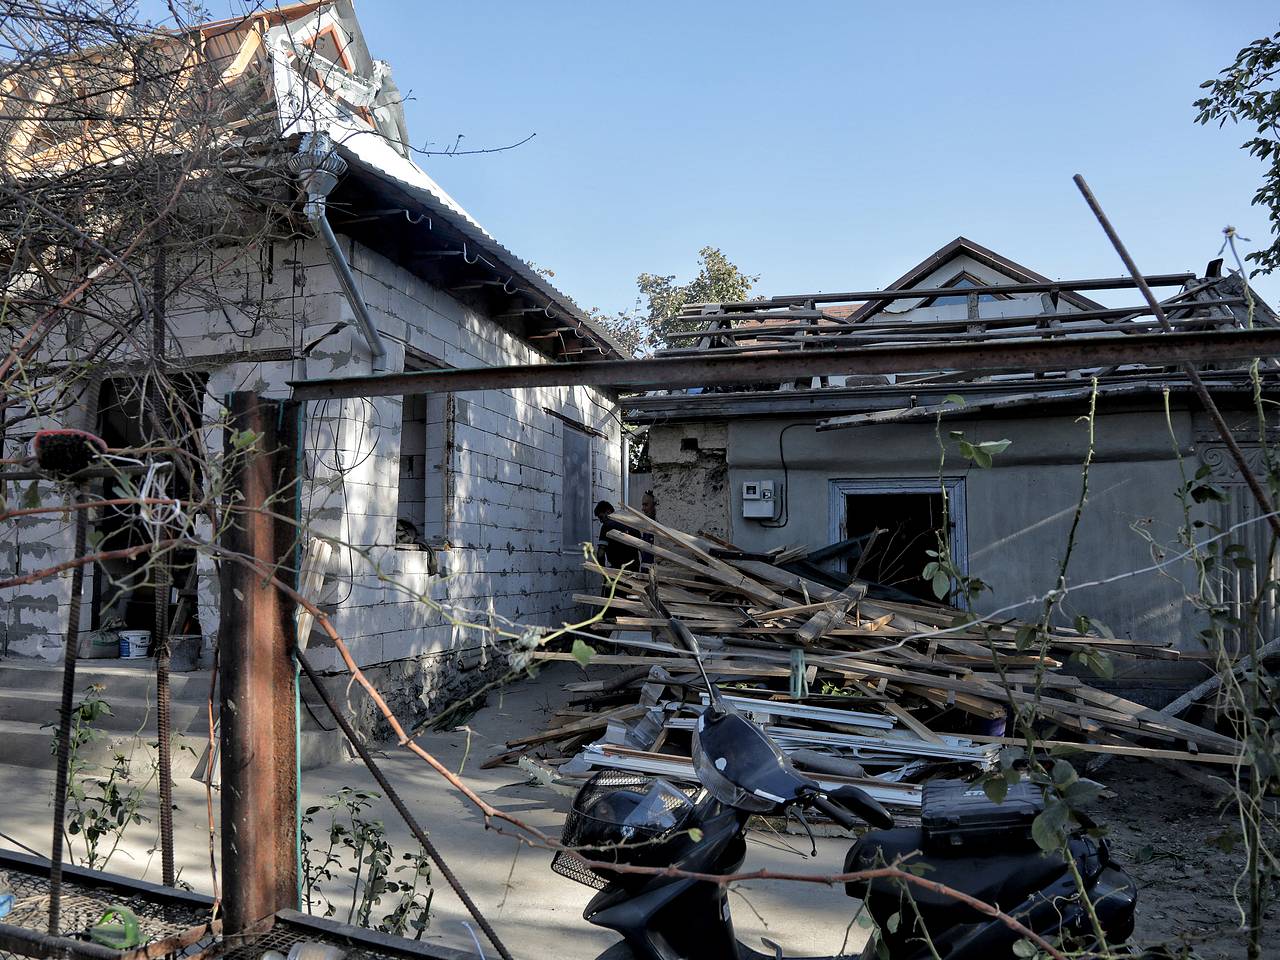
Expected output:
{"points": [[123, 591], [897, 523]]}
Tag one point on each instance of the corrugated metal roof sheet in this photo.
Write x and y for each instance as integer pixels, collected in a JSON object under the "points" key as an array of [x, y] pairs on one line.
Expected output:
{"points": [[304, 108]]}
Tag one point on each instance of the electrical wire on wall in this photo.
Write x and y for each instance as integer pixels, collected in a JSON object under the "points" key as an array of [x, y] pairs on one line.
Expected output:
{"points": [[786, 480], [369, 422]]}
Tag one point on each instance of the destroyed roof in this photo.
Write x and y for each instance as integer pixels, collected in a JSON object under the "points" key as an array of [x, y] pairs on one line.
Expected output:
{"points": [[963, 293], [918, 275]]}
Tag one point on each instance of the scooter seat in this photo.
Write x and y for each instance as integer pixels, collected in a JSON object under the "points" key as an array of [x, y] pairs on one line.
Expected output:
{"points": [[1001, 878]]}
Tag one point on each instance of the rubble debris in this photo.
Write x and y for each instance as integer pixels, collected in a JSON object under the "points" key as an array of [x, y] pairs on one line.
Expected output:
{"points": [[856, 688]]}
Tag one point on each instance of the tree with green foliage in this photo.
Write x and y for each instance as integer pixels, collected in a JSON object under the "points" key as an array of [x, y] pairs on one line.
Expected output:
{"points": [[661, 298], [1248, 91]]}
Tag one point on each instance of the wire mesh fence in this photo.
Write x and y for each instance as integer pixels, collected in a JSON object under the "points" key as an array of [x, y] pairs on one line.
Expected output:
{"points": [[87, 896], [171, 923]]}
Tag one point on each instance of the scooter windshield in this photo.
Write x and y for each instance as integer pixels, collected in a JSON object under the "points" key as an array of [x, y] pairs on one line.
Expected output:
{"points": [[740, 766]]}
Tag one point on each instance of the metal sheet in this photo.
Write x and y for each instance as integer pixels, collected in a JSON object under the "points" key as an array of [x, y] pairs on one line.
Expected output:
{"points": [[778, 708], [793, 738], [897, 795]]}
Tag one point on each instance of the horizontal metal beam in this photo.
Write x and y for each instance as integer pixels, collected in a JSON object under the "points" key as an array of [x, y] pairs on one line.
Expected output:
{"points": [[922, 293], [89, 473], [911, 327], [1013, 401], [652, 408], [669, 373]]}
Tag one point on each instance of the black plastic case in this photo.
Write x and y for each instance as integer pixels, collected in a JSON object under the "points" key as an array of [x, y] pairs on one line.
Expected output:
{"points": [[959, 816]]}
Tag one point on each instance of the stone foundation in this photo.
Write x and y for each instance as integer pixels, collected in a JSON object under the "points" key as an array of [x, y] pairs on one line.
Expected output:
{"points": [[415, 689]]}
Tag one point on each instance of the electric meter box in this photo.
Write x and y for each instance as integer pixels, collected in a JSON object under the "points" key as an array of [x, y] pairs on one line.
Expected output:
{"points": [[760, 499]]}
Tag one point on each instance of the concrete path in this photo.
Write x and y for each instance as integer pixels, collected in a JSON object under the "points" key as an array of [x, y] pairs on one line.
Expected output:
{"points": [[538, 913]]}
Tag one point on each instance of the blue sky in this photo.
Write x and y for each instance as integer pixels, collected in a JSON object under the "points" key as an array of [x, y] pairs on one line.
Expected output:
{"points": [[827, 146]]}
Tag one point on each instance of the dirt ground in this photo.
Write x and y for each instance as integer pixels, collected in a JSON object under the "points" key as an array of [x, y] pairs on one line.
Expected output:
{"points": [[1162, 830]]}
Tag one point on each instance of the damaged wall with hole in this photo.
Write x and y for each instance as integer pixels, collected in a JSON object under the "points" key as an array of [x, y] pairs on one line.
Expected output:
{"points": [[690, 477], [419, 615]]}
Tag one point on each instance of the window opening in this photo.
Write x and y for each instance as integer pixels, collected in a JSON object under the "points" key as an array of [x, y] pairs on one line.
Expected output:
{"points": [[575, 453], [964, 279], [421, 512]]}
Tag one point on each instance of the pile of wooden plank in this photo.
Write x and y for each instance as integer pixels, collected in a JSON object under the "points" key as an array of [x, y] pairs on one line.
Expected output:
{"points": [[856, 688]]}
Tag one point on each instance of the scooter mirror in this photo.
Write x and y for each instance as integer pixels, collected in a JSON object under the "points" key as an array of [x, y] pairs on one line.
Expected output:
{"points": [[688, 639]]}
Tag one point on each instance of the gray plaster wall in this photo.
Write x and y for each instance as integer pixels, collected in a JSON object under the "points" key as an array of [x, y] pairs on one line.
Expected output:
{"points": [[690, 477], [1017, 513]]}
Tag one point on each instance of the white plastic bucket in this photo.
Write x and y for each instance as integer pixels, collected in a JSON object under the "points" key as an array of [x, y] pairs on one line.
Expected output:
{"points": [[134, 644]]}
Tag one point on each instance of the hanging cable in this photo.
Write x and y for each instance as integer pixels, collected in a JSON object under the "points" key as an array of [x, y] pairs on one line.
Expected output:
{"points": [[786, 485]]}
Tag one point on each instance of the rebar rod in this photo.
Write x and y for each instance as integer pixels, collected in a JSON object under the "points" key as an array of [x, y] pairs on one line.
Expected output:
{"points": [[164, 726], [65, 709], [160, 602], [396, 802]]}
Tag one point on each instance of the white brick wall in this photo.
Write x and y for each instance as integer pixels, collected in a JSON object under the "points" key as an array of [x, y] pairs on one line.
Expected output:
{"points": [[503, 478]]}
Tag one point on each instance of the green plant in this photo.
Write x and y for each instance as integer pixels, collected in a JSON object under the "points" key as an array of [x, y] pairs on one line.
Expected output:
{"points": [[357, 845], [946, 577], [1246, 92], [661, 301], [102, 802]]}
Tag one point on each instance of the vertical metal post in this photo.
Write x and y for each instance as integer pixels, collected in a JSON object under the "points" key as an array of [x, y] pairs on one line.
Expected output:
{"points": [[160, 599], [259, 780], [65, 710]]}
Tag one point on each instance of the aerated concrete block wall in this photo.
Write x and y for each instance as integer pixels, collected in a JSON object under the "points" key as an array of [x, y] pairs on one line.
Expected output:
{"points": [[504, 562]]}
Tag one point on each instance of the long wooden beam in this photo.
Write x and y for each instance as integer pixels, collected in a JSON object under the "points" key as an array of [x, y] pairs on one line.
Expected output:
{"points": [[669, 373]]}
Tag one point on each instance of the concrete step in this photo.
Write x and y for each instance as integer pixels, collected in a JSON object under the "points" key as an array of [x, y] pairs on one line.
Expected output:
{"points": [[30, 745], [120, 680], [31, 692], [127, 716]]}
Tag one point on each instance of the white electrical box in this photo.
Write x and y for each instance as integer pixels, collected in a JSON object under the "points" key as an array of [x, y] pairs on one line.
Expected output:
{"points": [[760, 499]]}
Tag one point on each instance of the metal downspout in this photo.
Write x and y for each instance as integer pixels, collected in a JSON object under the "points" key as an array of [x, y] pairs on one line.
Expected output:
{"points": [[318, 169], [314, 210]]}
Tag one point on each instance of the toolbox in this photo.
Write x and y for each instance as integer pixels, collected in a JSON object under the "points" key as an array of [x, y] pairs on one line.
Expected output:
{"points": [[959, 816]]}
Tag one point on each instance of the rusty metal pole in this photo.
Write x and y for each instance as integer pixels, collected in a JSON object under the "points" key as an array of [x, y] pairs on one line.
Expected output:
{"points": [[65, 710], [160, 594], [1188, 367], [259, 784]]}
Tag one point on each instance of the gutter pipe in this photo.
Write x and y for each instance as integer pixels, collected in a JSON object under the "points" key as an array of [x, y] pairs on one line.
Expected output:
{"points": [[318, 169]]}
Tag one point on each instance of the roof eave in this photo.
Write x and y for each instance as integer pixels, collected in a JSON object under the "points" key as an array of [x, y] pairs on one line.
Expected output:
{"points": [[491, 248]]}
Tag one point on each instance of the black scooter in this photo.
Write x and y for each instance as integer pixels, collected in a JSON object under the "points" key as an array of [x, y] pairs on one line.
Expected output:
{"points": [[628, 818]]}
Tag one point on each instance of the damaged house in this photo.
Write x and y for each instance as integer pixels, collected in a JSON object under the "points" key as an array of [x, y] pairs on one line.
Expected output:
{"points": [[855, 468], [355, 261]]}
